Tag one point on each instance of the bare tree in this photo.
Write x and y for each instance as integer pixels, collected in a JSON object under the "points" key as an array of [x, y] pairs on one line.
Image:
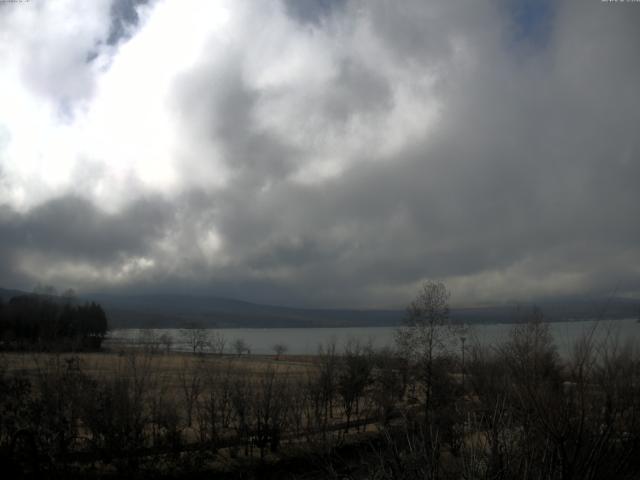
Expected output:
{"points": [[218, 342], [166, 340], [327, 378], [149, 341], [240, 346], [423, 336], [215, 410], [388, 382], [530, 351], [241, 405], [298, 408], [353, 378], [279, 349], [191, 385], [269, 400], [195, 336]]}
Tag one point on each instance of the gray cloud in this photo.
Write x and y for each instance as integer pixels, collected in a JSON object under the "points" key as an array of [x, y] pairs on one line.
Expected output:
{"points": [[70, 230], [124, 18], [524, 185], [71, 226]]}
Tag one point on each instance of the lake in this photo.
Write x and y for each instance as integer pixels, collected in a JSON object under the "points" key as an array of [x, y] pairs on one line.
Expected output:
{"points": [[304, 341]]}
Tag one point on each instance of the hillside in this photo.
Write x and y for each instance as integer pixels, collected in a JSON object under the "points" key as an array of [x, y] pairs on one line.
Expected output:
{"points": [[166, 311]]}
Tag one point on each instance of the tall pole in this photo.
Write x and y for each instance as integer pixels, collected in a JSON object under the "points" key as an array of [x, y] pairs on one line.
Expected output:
{"points": [[462, 340]]}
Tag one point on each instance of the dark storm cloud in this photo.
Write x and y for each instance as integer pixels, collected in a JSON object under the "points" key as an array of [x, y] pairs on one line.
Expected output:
{"points": [[532, 168], [523, 185], [71, 228]]}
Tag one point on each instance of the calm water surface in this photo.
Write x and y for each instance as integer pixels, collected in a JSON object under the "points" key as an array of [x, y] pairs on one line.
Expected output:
{"points": [[306, 340]]}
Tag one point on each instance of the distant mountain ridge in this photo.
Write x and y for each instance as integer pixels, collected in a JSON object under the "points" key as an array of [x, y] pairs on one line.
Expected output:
{"points": [[173, 310]]}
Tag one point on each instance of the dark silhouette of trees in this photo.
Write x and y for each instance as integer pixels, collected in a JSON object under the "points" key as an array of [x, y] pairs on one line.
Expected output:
{"points": [[218, 342], [279, 349], [423, 337], [44, 321], [196, 337], [353, 378], [326, 379], [166, 340], [240, 346]]}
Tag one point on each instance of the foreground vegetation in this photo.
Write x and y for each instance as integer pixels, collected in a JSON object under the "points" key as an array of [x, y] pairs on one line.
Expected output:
{"points": [[517, 412], [428, 409]]}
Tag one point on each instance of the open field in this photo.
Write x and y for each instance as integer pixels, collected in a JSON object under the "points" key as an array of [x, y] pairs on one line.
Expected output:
{"points": [[105, 364], [517, 410]]}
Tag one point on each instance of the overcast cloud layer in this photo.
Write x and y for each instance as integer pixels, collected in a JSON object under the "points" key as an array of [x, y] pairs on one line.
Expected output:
{"points": [[325, 153]]}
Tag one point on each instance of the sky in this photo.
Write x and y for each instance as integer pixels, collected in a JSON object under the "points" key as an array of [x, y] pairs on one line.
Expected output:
{"points": [[321, 152]]}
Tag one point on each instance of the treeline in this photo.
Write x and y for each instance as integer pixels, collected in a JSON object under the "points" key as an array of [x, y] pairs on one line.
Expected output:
{"points": [[45, 322], [438, 406]]}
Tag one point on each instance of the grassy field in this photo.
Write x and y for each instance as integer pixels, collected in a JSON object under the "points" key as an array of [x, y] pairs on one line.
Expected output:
{"points": [[105, 364]]}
